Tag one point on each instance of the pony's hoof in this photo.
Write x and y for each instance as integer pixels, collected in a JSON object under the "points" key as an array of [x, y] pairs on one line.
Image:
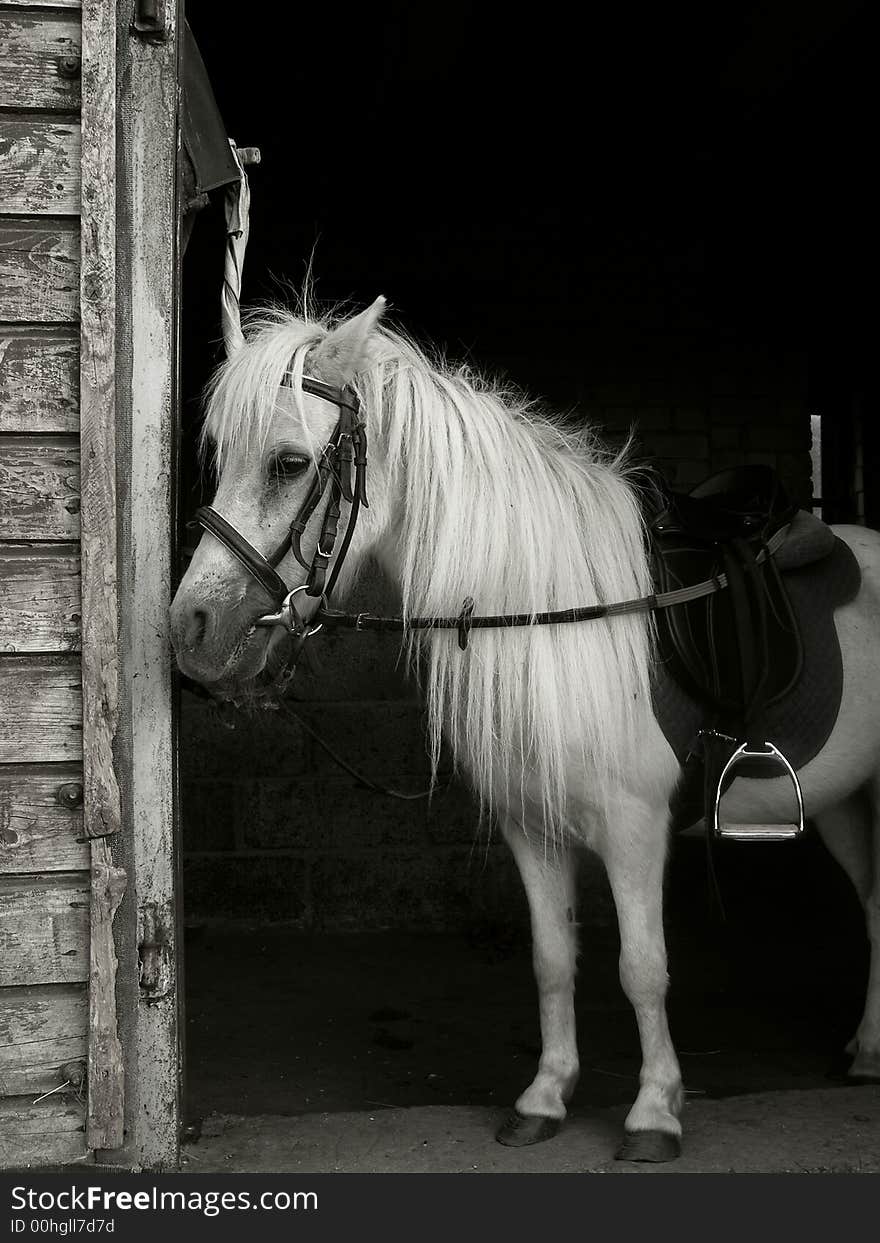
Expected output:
{"points": [[865, 1066], [518, 1131], [649, 1146], [858, 1076]]}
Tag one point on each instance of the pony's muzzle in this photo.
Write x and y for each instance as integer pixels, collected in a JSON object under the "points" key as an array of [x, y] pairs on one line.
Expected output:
{"points": [[192, 625]]}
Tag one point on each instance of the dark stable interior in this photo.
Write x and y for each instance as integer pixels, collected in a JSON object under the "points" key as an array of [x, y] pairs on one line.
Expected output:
{"points": [[569, 206], [564, 204]]}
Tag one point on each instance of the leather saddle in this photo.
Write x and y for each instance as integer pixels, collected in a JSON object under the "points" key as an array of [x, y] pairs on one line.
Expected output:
{"points": [[739, 649]]}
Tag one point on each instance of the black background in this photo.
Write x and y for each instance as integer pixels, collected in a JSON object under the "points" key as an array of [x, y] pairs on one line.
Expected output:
{"points": [[563, 195]]}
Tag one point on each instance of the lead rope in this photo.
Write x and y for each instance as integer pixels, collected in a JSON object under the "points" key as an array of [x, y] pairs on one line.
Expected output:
{"points": [[353, 772]]}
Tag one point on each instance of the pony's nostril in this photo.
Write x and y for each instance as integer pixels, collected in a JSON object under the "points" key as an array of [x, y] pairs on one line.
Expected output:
{"points": [[196, 625]]}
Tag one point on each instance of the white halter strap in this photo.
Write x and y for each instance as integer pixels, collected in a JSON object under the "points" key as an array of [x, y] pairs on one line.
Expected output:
{"points": [[238, 205]]}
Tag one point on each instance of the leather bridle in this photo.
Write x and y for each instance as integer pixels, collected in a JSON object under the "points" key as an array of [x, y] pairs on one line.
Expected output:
{"points": [[333, 467]]}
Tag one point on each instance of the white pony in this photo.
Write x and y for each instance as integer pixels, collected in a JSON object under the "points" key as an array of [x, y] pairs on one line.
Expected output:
{"points": [[474, 492]]}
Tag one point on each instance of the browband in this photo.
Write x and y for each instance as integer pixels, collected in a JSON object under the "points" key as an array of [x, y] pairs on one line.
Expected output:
{"points": [[345, 398]]}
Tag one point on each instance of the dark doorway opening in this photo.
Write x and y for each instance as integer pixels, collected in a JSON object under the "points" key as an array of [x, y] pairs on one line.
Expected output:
{"points": [[660, 220]]}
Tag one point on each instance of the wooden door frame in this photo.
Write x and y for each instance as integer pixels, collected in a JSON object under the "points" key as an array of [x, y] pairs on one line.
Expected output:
{"points": [[147, 428]]}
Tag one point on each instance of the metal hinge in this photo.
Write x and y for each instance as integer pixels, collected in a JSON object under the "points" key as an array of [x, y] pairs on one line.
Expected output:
{"points": [[154, 954], [150, 19]]}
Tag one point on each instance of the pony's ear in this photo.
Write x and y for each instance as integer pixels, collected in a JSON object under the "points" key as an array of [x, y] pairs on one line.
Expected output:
{"points": [[343, 352]]}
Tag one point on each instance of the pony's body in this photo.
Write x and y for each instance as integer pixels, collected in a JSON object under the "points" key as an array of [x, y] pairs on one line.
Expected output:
{"points": [[473, 493]]}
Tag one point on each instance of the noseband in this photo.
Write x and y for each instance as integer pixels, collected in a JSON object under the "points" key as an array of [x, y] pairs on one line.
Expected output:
{"points": [[347, 445]]}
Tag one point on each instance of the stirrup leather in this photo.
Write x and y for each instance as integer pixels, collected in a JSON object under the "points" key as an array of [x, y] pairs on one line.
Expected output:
{"points": [[757, 832]]}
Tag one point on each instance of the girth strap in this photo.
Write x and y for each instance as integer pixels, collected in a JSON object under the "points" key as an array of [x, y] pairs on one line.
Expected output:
{"points": [[749, 601]]}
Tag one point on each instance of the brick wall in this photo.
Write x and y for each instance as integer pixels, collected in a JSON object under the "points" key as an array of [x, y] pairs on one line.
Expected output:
{"points": [[273, 830], [746, 408]]}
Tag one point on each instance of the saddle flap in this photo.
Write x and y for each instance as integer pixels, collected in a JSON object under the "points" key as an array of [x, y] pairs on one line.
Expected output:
{"points": [[741, 643]]}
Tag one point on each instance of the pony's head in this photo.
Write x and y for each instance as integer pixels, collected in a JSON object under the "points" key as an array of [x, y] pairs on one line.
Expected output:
{"points": [[266, 434], [472, 491]]}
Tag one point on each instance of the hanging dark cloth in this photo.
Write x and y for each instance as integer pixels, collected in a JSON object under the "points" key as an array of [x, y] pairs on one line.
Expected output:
{"points": [[203, 133], [206, 160]]}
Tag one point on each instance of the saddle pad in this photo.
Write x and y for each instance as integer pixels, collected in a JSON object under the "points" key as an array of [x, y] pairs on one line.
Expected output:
{"points": [[808, 539], [800, 723]]}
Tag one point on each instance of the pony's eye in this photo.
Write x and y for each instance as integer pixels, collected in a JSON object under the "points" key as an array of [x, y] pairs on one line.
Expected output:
{"points": [[289, 465]]}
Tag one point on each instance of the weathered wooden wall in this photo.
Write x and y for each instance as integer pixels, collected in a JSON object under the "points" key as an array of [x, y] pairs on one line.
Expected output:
{"points": [[82, 403], [45, 889]]}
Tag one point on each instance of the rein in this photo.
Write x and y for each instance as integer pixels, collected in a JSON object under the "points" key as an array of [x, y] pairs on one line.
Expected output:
{"points": [[347, 445], [466, 620]]}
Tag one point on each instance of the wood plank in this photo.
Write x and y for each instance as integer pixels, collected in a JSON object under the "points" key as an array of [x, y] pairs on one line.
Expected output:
{"points": [[41, 4], [40, 710], [43, 1030], [33, 49], [39, 488], [106, 1069], [39, 272], [39, 166], [100, 660], [39, 599], [39, 380], [44, 930], [100, 623], [38, 833], [51, 1133]]}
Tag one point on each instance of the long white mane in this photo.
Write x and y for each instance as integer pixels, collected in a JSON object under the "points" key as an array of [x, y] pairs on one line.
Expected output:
{"points": [[503, 503]]}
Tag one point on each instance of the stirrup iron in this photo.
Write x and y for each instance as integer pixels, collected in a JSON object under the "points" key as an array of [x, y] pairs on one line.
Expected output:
{"points": [[758, 832]]}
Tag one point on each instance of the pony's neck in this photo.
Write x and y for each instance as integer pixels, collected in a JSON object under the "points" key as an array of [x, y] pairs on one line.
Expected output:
{"points": [[489, 498]]}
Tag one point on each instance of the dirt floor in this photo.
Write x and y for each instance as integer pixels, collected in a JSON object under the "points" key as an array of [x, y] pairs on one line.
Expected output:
{"points": [[822, 1131], [400, 1051]]}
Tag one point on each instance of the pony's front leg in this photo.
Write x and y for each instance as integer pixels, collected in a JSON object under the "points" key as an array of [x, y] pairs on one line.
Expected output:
{"points": [[548, 877], [633, 847]]}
